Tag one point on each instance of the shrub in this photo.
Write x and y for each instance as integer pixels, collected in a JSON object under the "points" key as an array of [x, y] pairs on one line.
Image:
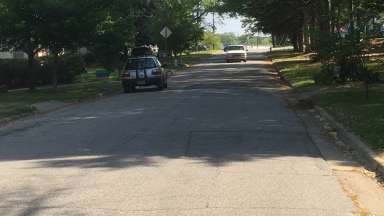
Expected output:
{"points": [[70, 67], [14, 73], [89, 58], [326, 76]]}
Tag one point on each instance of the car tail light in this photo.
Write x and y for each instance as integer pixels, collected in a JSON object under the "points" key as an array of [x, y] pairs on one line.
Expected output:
{"points": [[156, 71], [126, 74]]}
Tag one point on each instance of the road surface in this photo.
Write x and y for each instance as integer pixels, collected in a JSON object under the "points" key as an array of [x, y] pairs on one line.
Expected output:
{"points": [[221, 141]]}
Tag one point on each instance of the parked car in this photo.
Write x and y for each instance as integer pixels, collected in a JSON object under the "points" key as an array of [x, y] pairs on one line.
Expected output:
{"points": [[235, 53], [146, 50], [143, 71]]}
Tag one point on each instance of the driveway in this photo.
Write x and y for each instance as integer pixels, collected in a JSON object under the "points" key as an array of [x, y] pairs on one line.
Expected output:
{"points": [[221, 141]]}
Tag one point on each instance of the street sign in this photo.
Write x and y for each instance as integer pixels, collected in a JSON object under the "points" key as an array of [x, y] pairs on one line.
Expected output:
{"points": [[166, 32]]}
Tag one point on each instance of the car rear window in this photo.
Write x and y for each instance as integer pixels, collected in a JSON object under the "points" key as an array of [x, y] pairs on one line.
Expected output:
{"points": [[140, 63], [231, 48]]}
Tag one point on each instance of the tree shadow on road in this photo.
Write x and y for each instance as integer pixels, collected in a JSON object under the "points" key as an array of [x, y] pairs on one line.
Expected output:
{"points": [[27, 201], [218, 116]]}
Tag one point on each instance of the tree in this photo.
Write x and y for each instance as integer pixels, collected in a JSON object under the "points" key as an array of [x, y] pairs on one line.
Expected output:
{"points": [[19, 24], [65, 24], [211, 40], [229, 38], [303, 22], [115, 32], [33, 25], [279, 18], [339, 31], [183, 19]]}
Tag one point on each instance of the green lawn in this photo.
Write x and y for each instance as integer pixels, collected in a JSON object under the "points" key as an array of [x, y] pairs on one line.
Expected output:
{"points": [[196, 57], [364, 117], [19, 102], [377, 65], [296, 67], [87, 86], [348, 104], [90, 76]]}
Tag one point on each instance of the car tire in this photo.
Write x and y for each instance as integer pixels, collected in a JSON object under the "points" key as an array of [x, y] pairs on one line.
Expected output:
{"points": [[129, 88], [161, 85]]}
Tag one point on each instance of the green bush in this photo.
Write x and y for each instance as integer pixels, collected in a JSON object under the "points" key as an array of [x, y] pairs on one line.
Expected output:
{"points": [[70, 66], [90, 58], [15, 73], [326, 76]]}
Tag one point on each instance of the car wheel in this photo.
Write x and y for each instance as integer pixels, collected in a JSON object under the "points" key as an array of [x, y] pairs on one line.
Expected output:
{"points": [[126, 89], [161, 85], [129, 88]]}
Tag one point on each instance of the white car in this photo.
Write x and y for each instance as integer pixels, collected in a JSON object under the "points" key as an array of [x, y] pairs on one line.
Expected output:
{"points": [[236, 53]]}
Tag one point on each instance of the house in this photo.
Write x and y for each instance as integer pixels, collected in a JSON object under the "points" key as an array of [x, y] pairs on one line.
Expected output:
{"points": [[13, 55]]}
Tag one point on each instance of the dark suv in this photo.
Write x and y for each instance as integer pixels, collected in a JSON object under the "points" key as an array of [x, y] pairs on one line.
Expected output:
{"points": [[143, 71]]}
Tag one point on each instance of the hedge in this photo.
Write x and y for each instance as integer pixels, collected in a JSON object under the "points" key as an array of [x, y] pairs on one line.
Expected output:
{"points": [[14, 73]]}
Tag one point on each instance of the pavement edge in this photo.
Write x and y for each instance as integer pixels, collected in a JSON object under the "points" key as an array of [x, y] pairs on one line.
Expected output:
{"points": [[372, 160], [364, 152]]}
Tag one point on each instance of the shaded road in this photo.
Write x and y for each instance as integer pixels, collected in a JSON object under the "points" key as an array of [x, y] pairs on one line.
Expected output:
{"points": [[220, 142]]}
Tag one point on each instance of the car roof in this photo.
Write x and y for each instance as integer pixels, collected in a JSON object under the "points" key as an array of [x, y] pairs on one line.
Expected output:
{"points": [[143, 57], [235, 45]]}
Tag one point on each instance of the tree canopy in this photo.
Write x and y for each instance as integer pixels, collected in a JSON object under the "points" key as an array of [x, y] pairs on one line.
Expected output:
{"points": [[302, 21], [106, 27]]}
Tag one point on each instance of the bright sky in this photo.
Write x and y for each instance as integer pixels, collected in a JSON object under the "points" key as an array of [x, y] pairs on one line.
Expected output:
{"points": [[230, 25], [226, 24]]}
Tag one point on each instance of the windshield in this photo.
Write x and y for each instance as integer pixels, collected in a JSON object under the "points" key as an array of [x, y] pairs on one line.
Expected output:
{"points": [[140, 63], [231, 48]]}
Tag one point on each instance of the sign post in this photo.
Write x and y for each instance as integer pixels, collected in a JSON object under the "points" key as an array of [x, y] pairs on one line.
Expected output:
{"points": [[166, 33]]}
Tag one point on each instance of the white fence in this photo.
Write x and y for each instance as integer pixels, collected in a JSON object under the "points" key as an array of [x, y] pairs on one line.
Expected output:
{"points": [[13, 55]]}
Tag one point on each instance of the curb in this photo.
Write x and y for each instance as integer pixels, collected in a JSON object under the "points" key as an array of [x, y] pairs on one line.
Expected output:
{"points": [[350, 139], [6, 121], [372, 160], [281, 76]]}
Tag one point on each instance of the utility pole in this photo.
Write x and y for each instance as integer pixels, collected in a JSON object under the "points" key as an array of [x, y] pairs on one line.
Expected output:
{"points": [[213, 29], [213, 24]]}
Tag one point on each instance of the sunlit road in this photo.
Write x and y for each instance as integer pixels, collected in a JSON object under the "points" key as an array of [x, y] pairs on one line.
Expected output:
{"points": [[219, 142]]}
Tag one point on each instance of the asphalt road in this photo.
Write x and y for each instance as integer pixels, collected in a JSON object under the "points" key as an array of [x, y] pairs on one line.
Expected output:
{"points": [[221, 141]]}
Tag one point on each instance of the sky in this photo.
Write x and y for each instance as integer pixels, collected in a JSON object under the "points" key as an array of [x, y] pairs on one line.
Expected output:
{"points": [[230, 25], [227, 24]]}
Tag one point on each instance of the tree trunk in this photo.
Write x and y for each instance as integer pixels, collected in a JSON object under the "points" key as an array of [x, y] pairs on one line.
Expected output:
{"points": [[324, 17], [55, 70], [300, 40], [31, 69], [312, 33], [306, 38], [366, 90], [352, 18], [180, 57], [273, 41], [294, 42]]}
